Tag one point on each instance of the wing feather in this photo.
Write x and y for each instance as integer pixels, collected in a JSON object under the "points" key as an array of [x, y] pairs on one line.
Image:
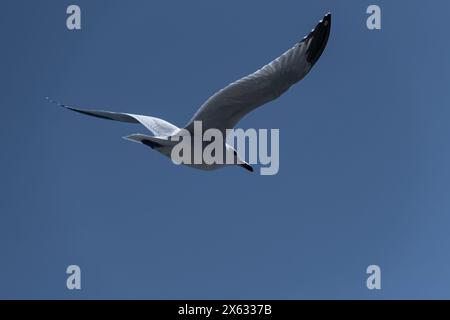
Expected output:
{"points": [[157, 126], [225, 108]]}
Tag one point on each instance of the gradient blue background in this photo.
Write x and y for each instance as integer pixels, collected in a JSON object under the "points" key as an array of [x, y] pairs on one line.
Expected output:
{"points": [[364, 153]]}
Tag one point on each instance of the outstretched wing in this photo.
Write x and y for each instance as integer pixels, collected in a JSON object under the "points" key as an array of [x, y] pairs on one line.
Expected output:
{"points": [[158, 127], [225, 108]]}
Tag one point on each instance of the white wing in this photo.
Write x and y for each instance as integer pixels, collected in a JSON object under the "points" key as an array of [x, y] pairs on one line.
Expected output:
{"points": [[225, 108], [158, 127]]}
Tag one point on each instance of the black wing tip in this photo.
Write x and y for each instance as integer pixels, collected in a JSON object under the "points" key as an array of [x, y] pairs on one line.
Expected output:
{"points": [[246, 166], [59, 104], [319, 39], [326, 20]]}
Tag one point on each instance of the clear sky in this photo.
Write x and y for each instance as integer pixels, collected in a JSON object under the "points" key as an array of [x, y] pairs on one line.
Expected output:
{"points": [[364, 153]]}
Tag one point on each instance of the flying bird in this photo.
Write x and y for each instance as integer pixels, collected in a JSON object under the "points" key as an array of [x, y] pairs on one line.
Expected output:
{"points": [[225, 108]]}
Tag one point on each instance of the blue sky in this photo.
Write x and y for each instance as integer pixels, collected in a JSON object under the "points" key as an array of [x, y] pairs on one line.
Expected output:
{"points": [[364, 176]]}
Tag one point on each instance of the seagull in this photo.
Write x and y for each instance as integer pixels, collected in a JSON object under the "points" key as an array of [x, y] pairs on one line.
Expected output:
{"points": [[227, 107]]}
